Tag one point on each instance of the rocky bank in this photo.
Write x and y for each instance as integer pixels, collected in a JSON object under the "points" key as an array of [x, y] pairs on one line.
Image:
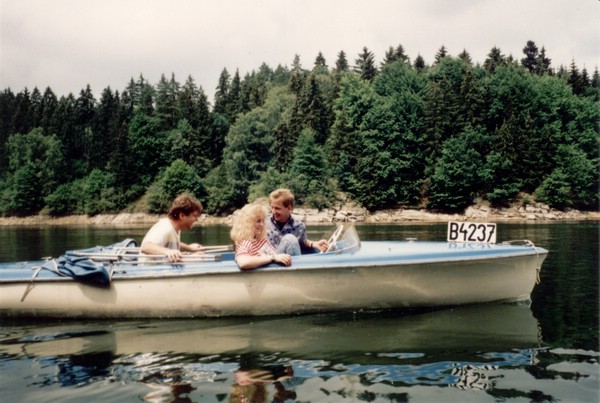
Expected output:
{"points": [[343, 213]]}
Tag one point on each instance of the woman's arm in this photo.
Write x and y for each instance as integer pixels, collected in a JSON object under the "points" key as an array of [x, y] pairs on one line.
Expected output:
{"points": [[248, 262]]}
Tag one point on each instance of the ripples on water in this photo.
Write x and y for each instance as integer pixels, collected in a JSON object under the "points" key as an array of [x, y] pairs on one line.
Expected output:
{"points": [[495, 352], [488, 352]]}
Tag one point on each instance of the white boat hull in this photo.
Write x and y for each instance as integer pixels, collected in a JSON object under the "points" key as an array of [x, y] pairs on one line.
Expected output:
{"points": [[380, 275]]}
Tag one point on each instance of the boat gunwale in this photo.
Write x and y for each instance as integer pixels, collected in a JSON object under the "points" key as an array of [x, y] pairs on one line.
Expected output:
{"points": [[183, 270]]}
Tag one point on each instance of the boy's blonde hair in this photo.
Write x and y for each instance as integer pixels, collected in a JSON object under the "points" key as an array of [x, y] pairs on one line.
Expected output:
{"points": [[245, 220]]}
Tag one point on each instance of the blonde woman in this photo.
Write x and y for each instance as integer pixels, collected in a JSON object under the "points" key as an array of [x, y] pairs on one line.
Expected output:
{"points": [[252, 248]]}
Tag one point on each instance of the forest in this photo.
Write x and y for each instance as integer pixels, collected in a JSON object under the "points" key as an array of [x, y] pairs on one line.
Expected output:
{"points": [[389, 134]]}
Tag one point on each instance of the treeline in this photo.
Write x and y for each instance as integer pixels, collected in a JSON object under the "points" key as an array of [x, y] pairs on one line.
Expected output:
{"points": [[397, 133]]}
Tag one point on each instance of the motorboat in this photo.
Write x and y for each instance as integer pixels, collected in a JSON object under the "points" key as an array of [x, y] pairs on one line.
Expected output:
{"points": [[117, 281]]}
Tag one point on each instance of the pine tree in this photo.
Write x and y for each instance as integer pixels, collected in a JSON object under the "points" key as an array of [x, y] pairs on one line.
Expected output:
{"points": [[320, 63], [107, 122], [222, 93], [575, 79], [313, 109], [297, 78], [48, 112], [234, 98], [542, 63], [419, 64], [530, 60], [441, 53], [464, 55], [365, 65], [341, 64], [166, 102], [494, 59], [22, 119], [7, 108]]}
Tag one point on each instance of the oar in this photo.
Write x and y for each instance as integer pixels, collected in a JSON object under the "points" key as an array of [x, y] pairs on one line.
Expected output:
{"points": [[208, 248], [162, 259], [149, 258]]}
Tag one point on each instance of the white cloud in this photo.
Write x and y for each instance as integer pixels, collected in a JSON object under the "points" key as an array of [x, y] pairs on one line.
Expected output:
{"points": [[66, 44]]}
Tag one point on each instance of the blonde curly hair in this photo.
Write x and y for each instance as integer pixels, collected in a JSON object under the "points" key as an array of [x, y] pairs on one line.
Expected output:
{"points": [[245, 220]]}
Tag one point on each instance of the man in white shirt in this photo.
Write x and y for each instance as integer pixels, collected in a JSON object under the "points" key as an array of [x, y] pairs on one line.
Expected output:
{"points": [[164, 238]]}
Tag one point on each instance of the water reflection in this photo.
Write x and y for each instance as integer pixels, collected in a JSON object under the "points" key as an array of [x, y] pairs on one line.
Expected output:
{"points": [[278, 357], [468, 354]]}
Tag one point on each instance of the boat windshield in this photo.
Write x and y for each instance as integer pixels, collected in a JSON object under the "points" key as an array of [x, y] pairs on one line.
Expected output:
{"points": [[344, 240]]}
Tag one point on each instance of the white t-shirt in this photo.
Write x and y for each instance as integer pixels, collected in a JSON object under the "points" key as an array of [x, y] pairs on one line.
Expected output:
{"points": [[163, 234]]}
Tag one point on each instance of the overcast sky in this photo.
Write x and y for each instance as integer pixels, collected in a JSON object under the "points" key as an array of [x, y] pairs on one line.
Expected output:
{"points": [[67, 44]]}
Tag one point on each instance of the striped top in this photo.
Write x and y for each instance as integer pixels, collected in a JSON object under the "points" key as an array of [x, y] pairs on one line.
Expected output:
{"points": [[254, 247]]}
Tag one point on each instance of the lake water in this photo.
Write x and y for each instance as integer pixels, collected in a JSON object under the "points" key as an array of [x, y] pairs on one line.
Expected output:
{"points": [[544, 352]]}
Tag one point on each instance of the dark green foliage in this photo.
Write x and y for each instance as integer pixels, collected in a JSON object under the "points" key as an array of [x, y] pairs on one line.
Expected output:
{"points": [[178, 178], [531, 56], [365, 65], [573, 183], [248, 152], [94, 194], [26, 196], [456, 179], [494, 60], [147, 147], [406, 134], [555, 190], [309, 177]]}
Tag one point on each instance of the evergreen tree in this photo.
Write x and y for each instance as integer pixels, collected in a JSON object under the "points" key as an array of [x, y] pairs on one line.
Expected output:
{"points": [[341, 64], [456, 179], [234, 98], [320, 63], [308, 173], [85, 138], [494, 59], [48, 107], [7, 110], [389, 57], [444, 111], [42, 153], [26, 199], [313, 110], [22, 119], [419, 64], [542, 63], [66, 118], [441, 53], [464, 55], [575, 79], [393, 55], [36, 107], [344, 146], [107, 124], [222, 94], [147, 145], [166, 102], [530, 61], [365, 65], [145, 96], [297, 78]]}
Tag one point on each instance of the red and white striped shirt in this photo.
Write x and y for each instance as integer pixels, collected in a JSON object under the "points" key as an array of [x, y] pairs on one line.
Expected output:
{"points": [[255, 247]]}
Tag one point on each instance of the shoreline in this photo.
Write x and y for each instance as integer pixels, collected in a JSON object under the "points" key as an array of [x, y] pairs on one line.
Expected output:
{"points": [[539, 214]]}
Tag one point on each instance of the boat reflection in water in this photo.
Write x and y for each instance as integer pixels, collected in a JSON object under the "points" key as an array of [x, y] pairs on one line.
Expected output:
{"points": [[384, 353]]}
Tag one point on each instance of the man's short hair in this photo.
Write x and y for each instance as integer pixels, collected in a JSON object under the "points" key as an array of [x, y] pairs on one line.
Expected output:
{"points": [[286, 197], [184, 203]]}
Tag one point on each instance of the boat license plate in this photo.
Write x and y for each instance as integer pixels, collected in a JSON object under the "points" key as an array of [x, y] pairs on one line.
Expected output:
{"points": [[473, 232]]}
